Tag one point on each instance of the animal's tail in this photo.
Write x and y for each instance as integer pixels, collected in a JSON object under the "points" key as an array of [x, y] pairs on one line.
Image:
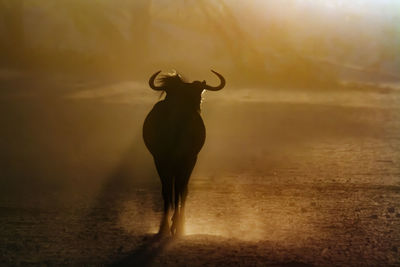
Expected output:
{"points": [[171, 197]]}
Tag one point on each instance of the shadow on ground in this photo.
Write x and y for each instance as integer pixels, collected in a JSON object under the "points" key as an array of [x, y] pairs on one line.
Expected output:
{"points": [[203, 250], [145, 254]]}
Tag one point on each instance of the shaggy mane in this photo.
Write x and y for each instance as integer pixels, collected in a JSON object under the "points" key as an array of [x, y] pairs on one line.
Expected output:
{"points": [[171, 79]]}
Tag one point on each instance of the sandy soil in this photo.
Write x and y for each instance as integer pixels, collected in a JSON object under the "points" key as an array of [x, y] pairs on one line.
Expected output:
{"points": [[335, 224], [288, 179]]}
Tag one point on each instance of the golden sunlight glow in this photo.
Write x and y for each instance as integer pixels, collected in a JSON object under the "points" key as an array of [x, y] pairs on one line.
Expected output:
{"points": [[302, 144], [239, 213], [250, 226]]}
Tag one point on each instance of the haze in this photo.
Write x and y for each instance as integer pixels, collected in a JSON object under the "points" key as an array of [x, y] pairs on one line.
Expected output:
{"points": [[302, 148], [260, 41]]}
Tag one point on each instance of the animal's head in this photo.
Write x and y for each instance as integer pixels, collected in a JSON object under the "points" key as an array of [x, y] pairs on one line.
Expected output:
{"points": [[175, 86]]}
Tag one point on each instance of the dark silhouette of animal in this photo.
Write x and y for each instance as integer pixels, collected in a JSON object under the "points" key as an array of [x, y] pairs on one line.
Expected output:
{"points": [[174, 133]]}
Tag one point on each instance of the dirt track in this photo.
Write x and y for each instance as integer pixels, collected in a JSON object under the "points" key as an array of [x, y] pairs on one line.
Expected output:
{"points": [[312, 184]]}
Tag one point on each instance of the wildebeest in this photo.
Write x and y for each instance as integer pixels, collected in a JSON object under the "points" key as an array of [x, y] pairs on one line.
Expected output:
{"points": [[174, 133]]}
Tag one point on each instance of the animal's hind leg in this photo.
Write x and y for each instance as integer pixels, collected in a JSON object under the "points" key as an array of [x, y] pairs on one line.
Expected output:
{"points": [[181, 191], [166, 178]]}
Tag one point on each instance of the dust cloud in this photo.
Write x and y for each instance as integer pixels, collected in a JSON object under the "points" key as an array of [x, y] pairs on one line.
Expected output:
{"points": [[301, 156]]}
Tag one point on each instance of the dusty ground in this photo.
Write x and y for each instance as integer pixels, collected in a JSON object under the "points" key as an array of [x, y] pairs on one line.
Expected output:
{"points": [[286, 179]]}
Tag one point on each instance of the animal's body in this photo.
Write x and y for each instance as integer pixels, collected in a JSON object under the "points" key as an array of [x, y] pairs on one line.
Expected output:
{"points": [[174, 133]]}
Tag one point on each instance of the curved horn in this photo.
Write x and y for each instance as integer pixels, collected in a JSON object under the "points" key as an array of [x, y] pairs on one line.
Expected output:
{"points": [[151, 81], [219, 87]]}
